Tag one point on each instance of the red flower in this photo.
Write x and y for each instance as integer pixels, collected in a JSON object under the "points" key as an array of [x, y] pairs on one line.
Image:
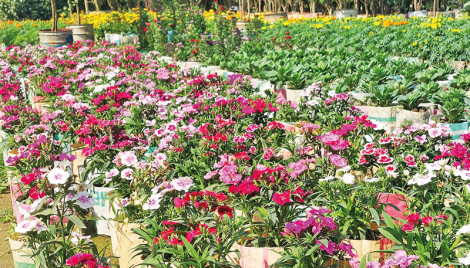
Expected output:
{"points": [[194, 52], [427, 220], [181, 202], [282, 199], [225, 210], [288, 37], [34, 193], [413, 218], [27, 179]]}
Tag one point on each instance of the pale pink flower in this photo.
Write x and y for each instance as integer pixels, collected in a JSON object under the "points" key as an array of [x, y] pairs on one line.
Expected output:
{"points": [[182, 184], [127, 174], [128, 158], [83, 200]]}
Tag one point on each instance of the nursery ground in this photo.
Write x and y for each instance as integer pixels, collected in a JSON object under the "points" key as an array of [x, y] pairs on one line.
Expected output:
{"points": [[6, 258]]}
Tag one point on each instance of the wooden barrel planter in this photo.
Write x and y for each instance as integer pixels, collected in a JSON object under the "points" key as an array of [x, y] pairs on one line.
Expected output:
{"points": [[275, 16], [82, 32], [56, 39]]}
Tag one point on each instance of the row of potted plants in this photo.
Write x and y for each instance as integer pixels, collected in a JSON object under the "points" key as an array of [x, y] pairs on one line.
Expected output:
{"points": [[202, 171]]}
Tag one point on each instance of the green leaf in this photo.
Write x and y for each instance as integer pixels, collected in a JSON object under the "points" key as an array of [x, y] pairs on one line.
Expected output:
{"points": [[76, 221]]}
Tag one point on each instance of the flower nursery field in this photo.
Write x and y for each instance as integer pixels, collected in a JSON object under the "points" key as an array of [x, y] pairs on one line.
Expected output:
{"points": [[214, 143]]}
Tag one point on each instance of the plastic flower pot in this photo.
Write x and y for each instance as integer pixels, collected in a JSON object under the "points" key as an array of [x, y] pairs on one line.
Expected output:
{"points": [[123, 240], [252, 257], [21, 254]]}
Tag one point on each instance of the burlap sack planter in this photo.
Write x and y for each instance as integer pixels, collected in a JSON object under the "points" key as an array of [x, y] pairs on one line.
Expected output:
{"points": [[366, 247], [101, 210], [39, 104], [78, 163], [459, 65], [384, 117], [415, 117], [21, 255], [123, 240], [290, 94], [209, 69], [252, 257]]}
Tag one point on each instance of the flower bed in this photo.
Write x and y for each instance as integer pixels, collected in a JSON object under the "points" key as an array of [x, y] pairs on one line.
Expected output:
{"points": [[206, 174]]}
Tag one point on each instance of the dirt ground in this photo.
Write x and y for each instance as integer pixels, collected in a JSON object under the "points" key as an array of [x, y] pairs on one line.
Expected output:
{"points": [[6, 258]]}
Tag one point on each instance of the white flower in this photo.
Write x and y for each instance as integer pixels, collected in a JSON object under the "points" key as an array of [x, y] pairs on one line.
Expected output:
{"points": [[28, 226], [67, 97], [406, 172], [150, 123], [421, 180], [327, 178], [182, 184], [127, 174], [153, 202], [124, 202], [348, 178], [58, 176], [312, 103], [372, 180], [465, 261], [345, 169], [76, 237], [433, 166], [84, 201], [443, 162], [128, 158], [464, 230], [468, 187]]}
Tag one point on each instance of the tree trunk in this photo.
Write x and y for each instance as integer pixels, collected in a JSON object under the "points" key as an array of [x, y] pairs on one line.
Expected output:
{"points": [[71, 12], [312, 7], [78, 13], [249, 9], [97, 4], [54, 15], [301, 7], [366, 8]]}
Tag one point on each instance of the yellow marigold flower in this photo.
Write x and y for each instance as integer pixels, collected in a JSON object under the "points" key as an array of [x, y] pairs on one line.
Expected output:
{"points": [[264, 28], [415, 43], [404, 22]]}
